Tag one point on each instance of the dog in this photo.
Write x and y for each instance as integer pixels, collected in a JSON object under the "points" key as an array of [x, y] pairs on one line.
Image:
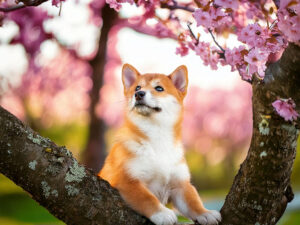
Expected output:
{"points": [[147, 164]]}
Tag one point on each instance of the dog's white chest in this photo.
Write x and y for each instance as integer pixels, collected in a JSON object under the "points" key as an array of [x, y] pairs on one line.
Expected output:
{"points": [[158, 165]]}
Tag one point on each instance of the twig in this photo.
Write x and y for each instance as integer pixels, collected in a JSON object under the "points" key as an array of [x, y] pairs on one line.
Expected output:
{"points": [[213, 37], [60, 7], [192, 33], [277, 3], [248, 81], [176, 6], [23, 4], [12, 8]]}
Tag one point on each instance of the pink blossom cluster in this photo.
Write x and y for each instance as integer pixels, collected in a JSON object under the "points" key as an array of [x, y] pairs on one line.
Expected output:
{"points": [[57, 2], [265, 38], [95, 7], [149, 5], [247, 62], [30, 22], [213, 17], [162, 30], [182, 50], [208, 54], [260, 41], [263, 44], [286, 109], [116, 4], [253, 35], [232, 4], [234, 56], [256, 60], [289, 19]]}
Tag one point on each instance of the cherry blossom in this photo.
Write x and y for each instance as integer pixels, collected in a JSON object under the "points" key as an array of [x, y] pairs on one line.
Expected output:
{"points": [[202, 18], [213, 18], [232, 4], [162, 30], [289, 24], [286, 109], [256, 60], [234, 57], [32, 33], [57, 2], [253, 35], [208, 54], [114, 4], [182, 50]]}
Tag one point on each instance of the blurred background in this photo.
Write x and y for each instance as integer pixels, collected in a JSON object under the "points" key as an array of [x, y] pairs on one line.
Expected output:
{"points": [[61, 75]]}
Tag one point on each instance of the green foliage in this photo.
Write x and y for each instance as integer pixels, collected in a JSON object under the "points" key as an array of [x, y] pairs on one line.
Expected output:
{"points": [[206, 176], [19, 208], [290, 218], [8, 187]]}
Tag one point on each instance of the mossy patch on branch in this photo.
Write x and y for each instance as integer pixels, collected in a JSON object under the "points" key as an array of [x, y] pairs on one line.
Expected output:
{"points": [[32, 164], [72, 191], [76, 172]]}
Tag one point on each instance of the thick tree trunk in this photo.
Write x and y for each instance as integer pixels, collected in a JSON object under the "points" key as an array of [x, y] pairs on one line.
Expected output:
{"points": [[95, 151], [261, 189]]}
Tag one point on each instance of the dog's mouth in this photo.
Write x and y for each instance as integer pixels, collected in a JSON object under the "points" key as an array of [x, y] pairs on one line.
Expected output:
{"points": [[142, 104]]}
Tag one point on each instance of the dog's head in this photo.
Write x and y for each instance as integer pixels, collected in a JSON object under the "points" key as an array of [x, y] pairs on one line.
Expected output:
{"points": [[154, 95]]}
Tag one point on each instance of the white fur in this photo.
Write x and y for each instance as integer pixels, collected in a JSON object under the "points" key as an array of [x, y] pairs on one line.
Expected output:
{"points": [[211, 217], [180, 204], [164, 216]]}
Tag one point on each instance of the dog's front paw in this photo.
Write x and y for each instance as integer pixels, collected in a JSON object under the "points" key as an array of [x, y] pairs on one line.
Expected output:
{"points": [[164, 216], [211, 217]]}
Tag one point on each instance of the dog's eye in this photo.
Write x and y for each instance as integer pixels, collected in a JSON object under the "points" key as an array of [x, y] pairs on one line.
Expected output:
{"points": [[159, 88], [137, 88]]}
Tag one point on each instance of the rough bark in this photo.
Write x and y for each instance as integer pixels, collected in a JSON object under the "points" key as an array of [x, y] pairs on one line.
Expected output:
{"points": [[261, 189], [94, 153]]}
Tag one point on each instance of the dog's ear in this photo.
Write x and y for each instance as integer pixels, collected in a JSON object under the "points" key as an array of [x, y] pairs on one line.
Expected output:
{"points": [[180, 78], [129, 75]]}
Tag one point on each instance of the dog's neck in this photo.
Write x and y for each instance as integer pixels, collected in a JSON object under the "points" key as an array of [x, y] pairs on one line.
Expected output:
{"points": [[158, 128]]}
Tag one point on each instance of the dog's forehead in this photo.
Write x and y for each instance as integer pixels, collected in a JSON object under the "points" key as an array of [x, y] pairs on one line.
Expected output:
{"points": [[153, 79]]}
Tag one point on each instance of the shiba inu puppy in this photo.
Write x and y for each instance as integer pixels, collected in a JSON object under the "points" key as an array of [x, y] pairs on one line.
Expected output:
{"points": [[147, 163]]}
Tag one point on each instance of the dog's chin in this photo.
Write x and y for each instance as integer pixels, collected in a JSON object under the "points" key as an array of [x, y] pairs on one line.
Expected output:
{"points": [[145, 110]]}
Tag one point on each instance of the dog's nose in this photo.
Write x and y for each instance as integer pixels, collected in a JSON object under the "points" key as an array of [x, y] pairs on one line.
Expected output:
{"points": [[139, 95]]}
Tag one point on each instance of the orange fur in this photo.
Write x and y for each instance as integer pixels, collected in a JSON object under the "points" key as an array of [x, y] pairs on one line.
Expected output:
{"points": [[192, 198]]}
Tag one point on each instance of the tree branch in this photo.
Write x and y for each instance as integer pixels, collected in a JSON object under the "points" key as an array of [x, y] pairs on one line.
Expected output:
{"points": [[214, 39], [175, 6], [24, 3], [12, 8], [192, 33]]}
